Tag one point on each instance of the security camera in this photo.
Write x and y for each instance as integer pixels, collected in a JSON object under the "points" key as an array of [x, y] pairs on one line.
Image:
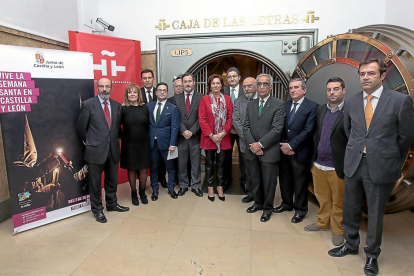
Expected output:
{"points": [[105, 24]]}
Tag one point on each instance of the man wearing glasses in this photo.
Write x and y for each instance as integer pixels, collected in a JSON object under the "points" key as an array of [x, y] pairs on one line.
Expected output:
{"points": [[297, 151], [262, 130], [163, 131], [98, 126], [149, 95], [234, 90], [239, 115], [178, 88]]}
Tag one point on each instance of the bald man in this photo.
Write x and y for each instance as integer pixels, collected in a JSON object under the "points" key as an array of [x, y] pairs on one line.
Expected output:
{"points": [[239, 115], [98, 126]]}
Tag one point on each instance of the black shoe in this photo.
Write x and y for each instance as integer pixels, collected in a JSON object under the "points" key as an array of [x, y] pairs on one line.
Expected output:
{"points": [[247, 199], [222, 198], [154, 196], [143, 196], [371, 267], [197, 192], [134, 197], [265, 217], [117, 208], [342, 251], [173, 194], [281, 209], [182, 191], [163, 183], [253, 209], [297, 218], [100, 217], [211, 198]]}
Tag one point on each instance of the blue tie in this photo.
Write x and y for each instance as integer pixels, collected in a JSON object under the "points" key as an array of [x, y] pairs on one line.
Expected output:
{"points": [[233, 96], [292, 113]]}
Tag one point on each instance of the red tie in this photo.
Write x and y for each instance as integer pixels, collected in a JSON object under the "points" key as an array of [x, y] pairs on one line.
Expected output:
{"points": [[187, 103], [107, 114]]}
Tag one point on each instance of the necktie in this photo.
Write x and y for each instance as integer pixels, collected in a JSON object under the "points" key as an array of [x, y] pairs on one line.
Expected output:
{"points": [[157, 118], [187, 103], [107, 114], [149, 95], [233, 96], [292, 113], [368, 111], [261, 106]]}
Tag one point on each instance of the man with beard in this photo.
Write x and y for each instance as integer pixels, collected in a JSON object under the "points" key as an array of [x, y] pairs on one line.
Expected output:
{"points": [[328, 166], [239, 115], [189, 152], [99, 127]]}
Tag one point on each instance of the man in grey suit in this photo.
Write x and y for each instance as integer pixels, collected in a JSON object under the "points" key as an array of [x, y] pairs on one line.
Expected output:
{"points": [[239, 116], [234, 90], [379, 123], [262, 129], [189, 139], [99, 126]]}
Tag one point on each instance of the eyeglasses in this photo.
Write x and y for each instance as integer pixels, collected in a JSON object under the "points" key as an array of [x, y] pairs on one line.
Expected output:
{"points": [[179, 86], [162, 91], [232, 76], [264, 84], [248, 86], [104, 86]]}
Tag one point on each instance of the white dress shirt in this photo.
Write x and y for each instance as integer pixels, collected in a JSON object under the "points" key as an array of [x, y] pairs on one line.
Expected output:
{"points": [[374, 101]]}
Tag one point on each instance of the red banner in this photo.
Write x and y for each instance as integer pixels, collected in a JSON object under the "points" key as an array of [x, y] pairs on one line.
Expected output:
{"points": [[114, 58]]}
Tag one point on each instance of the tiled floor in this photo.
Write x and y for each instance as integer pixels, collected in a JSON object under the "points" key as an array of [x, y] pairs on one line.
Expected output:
{"points": [[193, 236]]}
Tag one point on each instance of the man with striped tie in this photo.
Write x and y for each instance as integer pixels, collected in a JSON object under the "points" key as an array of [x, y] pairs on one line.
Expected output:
{"points": [[234, 90], [99, 127]]}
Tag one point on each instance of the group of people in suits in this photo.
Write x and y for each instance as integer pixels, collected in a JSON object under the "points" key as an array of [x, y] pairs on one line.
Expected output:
{"points": [[352, 149]]}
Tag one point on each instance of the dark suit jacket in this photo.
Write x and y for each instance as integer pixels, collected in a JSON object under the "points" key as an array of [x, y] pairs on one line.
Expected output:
{"points": [[144, 94], [265, 128], [227, 90], [239, 116], [166, 130], [95, 133], [387, 140], [190, 121], [338, 138], [299, 133]]}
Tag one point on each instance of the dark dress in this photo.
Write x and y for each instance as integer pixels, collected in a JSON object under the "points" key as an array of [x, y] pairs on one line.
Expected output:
{"points": [[135, 149]]}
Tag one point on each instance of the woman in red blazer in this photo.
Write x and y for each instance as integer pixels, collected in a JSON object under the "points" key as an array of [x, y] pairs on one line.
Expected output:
{"points": [[215, 118]]}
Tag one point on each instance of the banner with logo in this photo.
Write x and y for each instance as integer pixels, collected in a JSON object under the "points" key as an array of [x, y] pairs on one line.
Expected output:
{"points": [[117, 59], [40, 95]]}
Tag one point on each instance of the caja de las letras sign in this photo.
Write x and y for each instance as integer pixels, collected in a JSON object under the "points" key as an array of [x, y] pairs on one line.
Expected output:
{"points": [[237, 21]]}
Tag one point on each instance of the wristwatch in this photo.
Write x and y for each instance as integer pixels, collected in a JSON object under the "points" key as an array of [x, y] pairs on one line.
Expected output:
{"points": [[210, 135]]}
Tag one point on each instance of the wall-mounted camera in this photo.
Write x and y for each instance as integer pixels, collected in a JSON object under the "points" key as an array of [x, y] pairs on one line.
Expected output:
{"points": [[105, 24]]}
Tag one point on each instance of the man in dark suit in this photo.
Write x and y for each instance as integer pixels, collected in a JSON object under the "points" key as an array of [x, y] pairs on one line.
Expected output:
{"points": [[379, 122], [297, 149], [164, 121], [149, 95], [147, 90], [262, 130], [189, 139], [99, 126], [239, 116], [328, 166], [234, 90]]}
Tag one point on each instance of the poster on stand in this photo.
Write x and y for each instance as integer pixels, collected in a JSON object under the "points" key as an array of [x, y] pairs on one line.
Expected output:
{"points": [[41, 91], [117, 59]]}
